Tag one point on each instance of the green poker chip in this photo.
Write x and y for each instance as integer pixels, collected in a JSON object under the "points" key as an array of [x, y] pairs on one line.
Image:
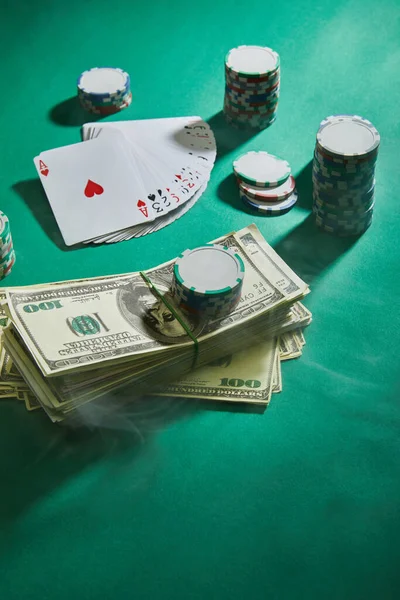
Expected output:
{"points": [[210, 270], [208, 280]]}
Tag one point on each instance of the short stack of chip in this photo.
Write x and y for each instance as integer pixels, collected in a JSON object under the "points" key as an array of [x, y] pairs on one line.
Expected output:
{"points": [[7, 254], [104, 90], [208, 281], [344, 174], [252, 82], [265, 183]]}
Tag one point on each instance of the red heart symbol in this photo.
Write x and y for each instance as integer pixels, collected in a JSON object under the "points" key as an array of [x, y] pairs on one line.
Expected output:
{"points": [[93, 188], [141, 203], [45, 172]]}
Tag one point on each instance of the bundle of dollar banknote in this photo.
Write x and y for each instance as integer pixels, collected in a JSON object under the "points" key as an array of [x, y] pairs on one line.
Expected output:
{"points": [[68, 343]]}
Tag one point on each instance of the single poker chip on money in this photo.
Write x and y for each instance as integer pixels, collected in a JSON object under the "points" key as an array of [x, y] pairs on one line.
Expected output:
{"points": [[208, 280], [209, 270], [261, 169], [272, 194]]}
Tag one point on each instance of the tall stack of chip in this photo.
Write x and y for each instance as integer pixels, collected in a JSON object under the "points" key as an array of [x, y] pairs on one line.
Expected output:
{"points": [[104, 90], [7, 254], [265, 183], [208, 281], [252, 83], [343, 174]]}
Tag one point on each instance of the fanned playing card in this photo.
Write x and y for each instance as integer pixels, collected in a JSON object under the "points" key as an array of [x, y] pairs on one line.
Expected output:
{"points": [[128, 178], [162, 143]]}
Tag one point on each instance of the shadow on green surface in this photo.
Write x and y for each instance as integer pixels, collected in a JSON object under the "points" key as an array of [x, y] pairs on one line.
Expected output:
{"points": [[227, 137], [308, 250], [32, 193], [228, 191], [229, 407], [69, 113], [304, 187], [46, 457]]}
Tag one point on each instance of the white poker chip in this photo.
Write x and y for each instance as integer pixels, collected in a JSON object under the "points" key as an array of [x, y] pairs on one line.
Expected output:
{"points": [[104, 90], [209, 270], [261, 169], [208, 280], [270, 195], [253, 61], [348, 135], [103, 81]]}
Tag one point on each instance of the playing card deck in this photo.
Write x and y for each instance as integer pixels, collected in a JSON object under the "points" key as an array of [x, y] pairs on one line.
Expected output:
{"points": [[128, 178]]}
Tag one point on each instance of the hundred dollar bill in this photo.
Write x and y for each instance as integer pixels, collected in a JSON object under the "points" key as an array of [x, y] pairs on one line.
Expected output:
{"points": [[246, 376], [85, 325], [243, 377]]}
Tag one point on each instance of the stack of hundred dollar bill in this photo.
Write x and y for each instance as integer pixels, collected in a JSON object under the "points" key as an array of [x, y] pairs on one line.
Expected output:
{"points": [[68, 343]]}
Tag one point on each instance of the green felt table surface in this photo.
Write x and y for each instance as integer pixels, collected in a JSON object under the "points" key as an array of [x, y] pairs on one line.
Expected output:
{"points": [[178, 500]]}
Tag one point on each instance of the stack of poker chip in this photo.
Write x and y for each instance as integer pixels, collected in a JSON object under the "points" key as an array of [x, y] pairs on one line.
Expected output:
{"points": [[208, 281], [266, 184], [7, 254], [344, 174], [252, 82], [104, 90]]}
